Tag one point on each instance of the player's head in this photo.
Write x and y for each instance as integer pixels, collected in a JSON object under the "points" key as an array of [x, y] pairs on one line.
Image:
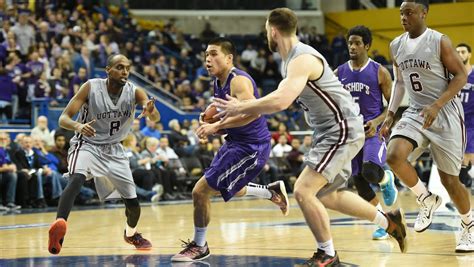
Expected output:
{"points": [[220, 55], [281, 22], [413, 14], [118, 69], [464, 51], [359, 40]]}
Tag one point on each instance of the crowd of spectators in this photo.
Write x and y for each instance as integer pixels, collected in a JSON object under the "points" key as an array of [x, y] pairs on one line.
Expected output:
{"points": [[165, 164]]}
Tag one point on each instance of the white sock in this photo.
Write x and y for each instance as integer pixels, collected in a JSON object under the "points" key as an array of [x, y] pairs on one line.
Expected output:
{"points": [[466, 218], [385, 179], [379, 207], [200, 235], [419, 189], [381, 220], [129, 231], [260, 191], [328, 247]]}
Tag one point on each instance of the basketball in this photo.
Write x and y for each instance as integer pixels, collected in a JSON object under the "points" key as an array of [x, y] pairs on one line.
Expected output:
{"points": [[208, 115]]}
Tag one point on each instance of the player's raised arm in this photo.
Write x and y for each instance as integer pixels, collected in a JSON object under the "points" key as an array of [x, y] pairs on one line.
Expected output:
{"points": [[288, 90], [149, 108], [66, 121]]}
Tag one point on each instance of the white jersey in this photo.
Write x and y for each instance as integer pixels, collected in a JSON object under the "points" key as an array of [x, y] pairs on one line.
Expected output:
{"points": [[113, 121], [325, 101], [424, 75]]}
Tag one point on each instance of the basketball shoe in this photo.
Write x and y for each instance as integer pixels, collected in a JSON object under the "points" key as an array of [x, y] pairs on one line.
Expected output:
{"points": [[428, 206], [320, 258], [397, 228], [380, 234], [389, 189], [57, 231], [279, 196], [137, 240], [192, 252], [466, 240]]}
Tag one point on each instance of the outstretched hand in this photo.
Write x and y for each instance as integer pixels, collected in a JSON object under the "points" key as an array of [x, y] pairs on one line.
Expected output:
{"points": [[227, 108], [147, 108], [86, 129]]}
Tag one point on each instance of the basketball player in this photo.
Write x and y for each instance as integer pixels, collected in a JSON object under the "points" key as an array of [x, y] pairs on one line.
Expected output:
{"points": [[241, 157], [423, 59], [339, 136], [368, 81], [467, 100], [107, 108]]}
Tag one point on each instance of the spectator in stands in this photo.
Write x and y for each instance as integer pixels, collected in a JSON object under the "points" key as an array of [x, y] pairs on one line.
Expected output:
{"points": [[258, 64], [6, 25], [271, 70], [20, 74], [378, 57], [202, 74], [10, 43], [306, 146], [178, 140], [58, 84], [208, 33], [295, 157], [339, 50], [162, 67], [8, 177], [282, 130], [59, 150], [281, 149], [8, 89], [249, 54], [168, 179], [41, 130], [150, 129], [77, 81], [191, 133], [204, 154], [84, 60], [215, 145], [25, 33], [44, 35], [43, 58], [148, 185], [27, 161], [135, 130]]}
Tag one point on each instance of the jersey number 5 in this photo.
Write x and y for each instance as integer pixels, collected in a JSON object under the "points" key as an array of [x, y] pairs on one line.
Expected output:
{"points": [[415, 82], [114, 127]]}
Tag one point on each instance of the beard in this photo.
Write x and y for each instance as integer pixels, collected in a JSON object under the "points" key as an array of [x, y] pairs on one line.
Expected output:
{"points": [[272, 45], [465, 62]]}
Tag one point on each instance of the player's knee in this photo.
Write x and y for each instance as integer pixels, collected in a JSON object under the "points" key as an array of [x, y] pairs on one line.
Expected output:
{"points": [[301, 193], [363, 188], [372, 172], [76, 181], [449, 181], [393, 158]]}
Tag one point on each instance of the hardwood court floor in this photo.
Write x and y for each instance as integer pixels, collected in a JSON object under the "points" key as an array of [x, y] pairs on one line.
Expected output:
{"points": [[240, 228]]}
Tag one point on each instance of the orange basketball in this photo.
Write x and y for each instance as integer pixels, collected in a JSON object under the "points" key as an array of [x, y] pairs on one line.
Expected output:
{"points": [[208, 115]]}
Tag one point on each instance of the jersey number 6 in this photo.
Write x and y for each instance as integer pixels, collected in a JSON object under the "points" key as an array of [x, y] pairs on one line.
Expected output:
{"points": [[415, 82]]}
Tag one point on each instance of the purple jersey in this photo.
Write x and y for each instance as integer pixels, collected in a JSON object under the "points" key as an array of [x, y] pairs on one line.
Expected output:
{"points": [[254, 132], [364, 87], [467, 100]]}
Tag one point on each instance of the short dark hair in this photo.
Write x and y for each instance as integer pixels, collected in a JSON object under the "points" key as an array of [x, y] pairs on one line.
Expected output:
{"points": [[110, 60], [464, 45], [425, 3], [284, 19], [227, 46], [362, 31], [57, 135]]}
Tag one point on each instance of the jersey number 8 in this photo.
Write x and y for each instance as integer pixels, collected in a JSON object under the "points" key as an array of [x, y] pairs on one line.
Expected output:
{"points": [[114, 127]]}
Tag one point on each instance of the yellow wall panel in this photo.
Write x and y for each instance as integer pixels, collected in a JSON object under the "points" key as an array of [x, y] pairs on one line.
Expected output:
{"points": [[455, 20]]}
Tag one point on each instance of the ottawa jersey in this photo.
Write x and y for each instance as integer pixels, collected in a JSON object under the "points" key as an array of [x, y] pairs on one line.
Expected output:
{"points": [[467, 99], [113, 121], [364, 86], [325, 101]]}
